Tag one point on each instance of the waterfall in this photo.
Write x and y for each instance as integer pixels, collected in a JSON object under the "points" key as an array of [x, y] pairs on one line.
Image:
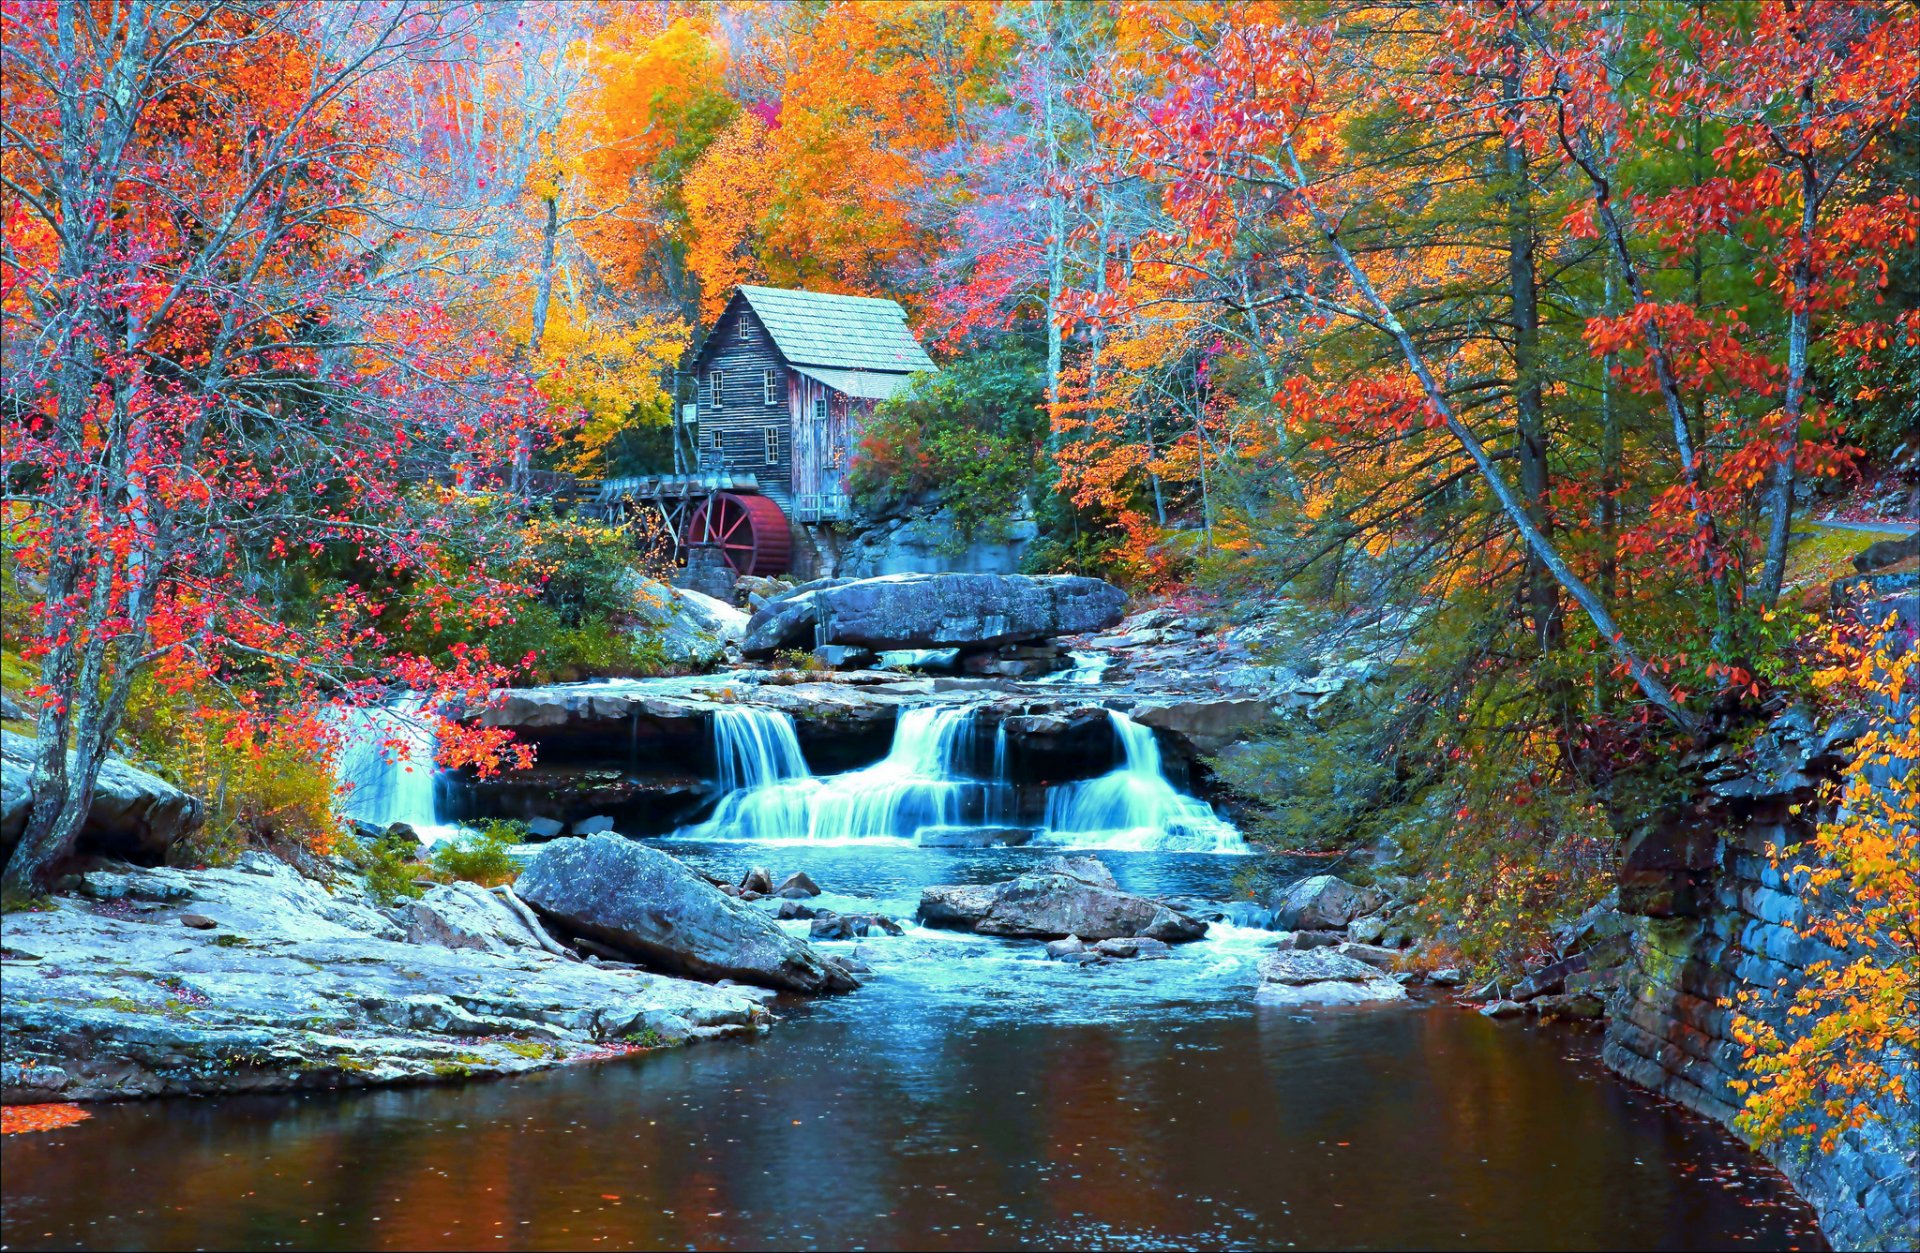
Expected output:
{"points": [[1135, 807], [1088, 669], [767, 794], [385, 767], [755, 747]]}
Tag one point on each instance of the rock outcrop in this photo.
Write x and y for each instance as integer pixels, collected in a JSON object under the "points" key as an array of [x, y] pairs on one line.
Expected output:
{"points": [[696, 631], [1060, 900], [297, 984], [466, 915], [135, 815], [934, 611], [925, 542], [642, 902]]}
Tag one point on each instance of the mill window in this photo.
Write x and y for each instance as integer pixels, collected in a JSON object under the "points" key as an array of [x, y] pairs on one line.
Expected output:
{"points": [[767, 380], [773, 444], [819, 408], [716, 387]]}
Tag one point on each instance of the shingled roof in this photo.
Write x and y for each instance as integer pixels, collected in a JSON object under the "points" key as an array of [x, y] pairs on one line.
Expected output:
{"points": [[838, 332]]}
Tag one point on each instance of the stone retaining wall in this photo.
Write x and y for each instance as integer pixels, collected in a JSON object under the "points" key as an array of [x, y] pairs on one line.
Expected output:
{"points": [[1718, 918]]}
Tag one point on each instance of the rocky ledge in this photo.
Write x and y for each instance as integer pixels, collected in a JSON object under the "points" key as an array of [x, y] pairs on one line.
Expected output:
{"points": [[256, 978]]}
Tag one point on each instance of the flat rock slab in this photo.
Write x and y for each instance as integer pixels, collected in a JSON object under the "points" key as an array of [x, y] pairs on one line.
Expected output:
{"points": [[1322, 977], [643, 902], [302, 986]]}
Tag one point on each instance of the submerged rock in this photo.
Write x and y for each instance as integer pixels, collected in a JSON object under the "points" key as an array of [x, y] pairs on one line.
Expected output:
{"points": [[644, 903], [973, 837], [1322, 977], [1086, 869]]}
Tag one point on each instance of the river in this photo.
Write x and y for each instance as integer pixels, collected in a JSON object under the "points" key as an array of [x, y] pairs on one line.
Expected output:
{"points": [[972, 1095]]}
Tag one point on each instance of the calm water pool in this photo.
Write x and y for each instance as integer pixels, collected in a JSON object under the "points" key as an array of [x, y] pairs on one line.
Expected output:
{"points": [[971, 1096]]}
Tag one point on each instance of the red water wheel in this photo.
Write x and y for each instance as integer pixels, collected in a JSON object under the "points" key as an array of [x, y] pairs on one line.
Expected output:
{"points": [[750, 531]]}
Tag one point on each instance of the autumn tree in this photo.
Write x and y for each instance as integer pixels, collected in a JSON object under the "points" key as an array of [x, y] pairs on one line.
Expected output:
{"points": [[211, 368]]}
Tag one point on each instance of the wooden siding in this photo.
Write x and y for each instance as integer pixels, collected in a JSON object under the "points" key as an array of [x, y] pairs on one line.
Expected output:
{"points": [[734, 433], [823, 448]]}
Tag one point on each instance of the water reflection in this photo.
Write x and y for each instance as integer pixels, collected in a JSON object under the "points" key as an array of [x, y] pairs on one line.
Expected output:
{"points": [[985, 1101]]}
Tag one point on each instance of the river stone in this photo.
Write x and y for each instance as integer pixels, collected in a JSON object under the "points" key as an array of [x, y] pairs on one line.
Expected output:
{"points": [[1049, 906], [759, 879], [828, 925], [1323, 903], [1056, 949], [904, 611], [134, 815], [960, 905], [466, 915], [645, 903], [1130, 947], [1322, 977], [796, 886]]}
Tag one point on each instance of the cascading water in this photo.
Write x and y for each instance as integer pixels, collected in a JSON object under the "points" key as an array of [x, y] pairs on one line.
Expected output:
{"points": [[1135, 807], [1088, 669], [385, 767], [755, 748], [920, 783]]}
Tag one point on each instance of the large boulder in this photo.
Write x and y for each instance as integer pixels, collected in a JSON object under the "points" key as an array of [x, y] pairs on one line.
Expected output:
{"points": [[695, 630], [1054, 904], [935, 611], [135, 815], [642, 902], [1322, 903], [1322, 977]]}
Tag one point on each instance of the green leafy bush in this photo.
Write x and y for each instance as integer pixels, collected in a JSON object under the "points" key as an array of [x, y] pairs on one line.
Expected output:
{"points": [[972, 433], [480, 856], [391, 876]]}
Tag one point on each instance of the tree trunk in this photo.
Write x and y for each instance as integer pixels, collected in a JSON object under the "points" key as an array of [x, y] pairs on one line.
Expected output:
{"points": [[1649, 684], [1529, 404], [1799, 328]]}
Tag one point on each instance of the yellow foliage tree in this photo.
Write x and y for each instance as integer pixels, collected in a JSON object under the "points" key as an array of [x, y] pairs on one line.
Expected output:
{"points": [[610, 372], [1845, 1041]]}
